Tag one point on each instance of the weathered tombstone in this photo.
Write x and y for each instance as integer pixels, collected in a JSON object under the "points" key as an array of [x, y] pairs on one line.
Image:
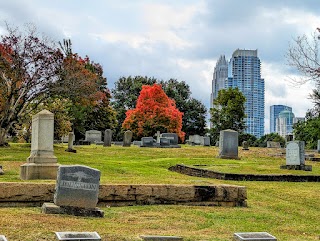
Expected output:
{"points": [[41, 164], [147, 142], [3, 238], [1, 171], [77, 236], [107, 137], [70, 143], [295, 157], [77, 190], [318, 146], [164, 141], [228, 144], [273, 144], [245, 146], [197, 139], [137, 143], [160, 238], [217, 143], [173, 137], [127, 138], [191, 140], [205, 141], [93, 136], [254, 236]]}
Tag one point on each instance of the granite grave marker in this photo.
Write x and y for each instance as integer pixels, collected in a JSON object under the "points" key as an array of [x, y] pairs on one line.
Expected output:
{"points": [[228, 144], [107, 137], [127, 138]]}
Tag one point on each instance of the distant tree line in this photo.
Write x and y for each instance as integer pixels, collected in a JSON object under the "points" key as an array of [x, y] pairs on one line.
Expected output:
{"points": [[36, 73]]}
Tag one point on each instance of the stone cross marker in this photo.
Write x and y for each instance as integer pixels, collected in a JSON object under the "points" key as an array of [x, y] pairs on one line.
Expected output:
{"points": [[77, 186], [107, 137], [127, 138], [228, 144], [158, 136], [41, 164]]}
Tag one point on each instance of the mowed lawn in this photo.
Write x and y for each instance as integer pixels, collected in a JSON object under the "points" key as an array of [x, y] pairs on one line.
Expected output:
{"points": [[288, 210]]}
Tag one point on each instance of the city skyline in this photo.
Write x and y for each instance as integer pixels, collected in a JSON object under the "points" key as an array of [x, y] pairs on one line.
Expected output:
{"points": [[138, 38], [243, 71]]}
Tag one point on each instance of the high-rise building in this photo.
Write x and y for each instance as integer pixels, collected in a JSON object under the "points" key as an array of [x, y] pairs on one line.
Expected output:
{"points": [[220, 75], [284, 123], [244, 72], [274, 114]]}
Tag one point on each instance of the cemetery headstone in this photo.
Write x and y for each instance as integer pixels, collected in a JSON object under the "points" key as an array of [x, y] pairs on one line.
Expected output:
{"points": [[173, 137], [1, 171], [127, 138], [245, 146], [197, 139], [318, 146], [107, 137], [191, 140], [137, 143], [254, 236], [70, 143], [41, 164], [93, 136], [3, 238], [273, 144], [78, 236], [77, 190], [164, 141], [160, 238], [147, 142], [205, 141], [217, 143], [228, 144], [295, 156]]}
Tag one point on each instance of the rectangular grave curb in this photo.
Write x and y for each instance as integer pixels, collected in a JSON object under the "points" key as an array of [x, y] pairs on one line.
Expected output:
{"points": [[35, 194]]}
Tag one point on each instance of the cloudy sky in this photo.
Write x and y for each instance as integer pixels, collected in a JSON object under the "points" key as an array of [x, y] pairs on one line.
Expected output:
{"points": [[179, 39]]}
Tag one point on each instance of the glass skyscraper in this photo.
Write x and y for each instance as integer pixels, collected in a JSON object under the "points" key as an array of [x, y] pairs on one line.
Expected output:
{"points": [[244, 72], [274, 114], [220, 74]]}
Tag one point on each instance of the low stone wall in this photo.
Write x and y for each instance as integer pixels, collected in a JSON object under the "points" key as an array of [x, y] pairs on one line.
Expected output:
{"points": [[197, 172], [34, 194]]}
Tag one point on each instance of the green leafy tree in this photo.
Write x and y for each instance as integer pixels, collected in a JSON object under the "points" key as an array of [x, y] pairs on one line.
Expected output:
{"points": [[228, 112], [308, 131], [251, 139]]}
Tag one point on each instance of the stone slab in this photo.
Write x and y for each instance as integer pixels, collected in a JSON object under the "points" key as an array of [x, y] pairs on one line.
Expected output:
{"points": [[295, 153], [32, 171], [160, 238], [77, 236], [77, 186], [51, 208], [254, 236], [297, 167]]}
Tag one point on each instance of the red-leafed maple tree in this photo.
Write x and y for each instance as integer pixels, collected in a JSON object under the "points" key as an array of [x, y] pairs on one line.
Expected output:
{"points": [[154, 111]]}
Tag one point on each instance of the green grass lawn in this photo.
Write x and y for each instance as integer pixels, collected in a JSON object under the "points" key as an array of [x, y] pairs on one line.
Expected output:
{"points": [[289, 211]]}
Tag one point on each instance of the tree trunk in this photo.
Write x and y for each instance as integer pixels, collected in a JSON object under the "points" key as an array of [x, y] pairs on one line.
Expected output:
{"points": [[3, 137]]}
